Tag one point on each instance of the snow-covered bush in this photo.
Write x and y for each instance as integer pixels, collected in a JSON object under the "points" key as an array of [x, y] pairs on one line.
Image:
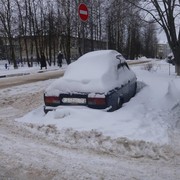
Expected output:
{"points": [[148, 67]]}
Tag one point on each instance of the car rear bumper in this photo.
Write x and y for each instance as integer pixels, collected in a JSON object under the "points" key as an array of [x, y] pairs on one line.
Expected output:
{"points": [[51, 108]]}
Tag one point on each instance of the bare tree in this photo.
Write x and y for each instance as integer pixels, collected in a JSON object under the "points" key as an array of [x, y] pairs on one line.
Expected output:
{"points": [[66, 18], [23, 15], [124, 28], [166, 14], [7, 20], [116, 25], [133, 25], [150, 39]]}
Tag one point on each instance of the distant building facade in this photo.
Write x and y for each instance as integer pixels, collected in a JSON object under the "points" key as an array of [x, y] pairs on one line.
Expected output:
{"points": [[21, 49], [163, 50]]}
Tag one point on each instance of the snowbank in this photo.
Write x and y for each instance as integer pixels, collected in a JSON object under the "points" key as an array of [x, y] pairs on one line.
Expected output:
{"points": [[145, 117]]}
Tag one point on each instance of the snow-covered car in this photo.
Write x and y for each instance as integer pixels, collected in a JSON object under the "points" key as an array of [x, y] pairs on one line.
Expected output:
{"points": [[99, 79]]}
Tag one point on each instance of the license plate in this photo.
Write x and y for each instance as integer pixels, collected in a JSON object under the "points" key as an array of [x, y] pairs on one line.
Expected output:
{"points": [[74, 100]]}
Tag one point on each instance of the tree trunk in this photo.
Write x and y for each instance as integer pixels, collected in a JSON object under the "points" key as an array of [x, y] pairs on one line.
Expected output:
{"points": [[177, 69], [176, 52], [13, 58], [26, 50], [68, 47]]}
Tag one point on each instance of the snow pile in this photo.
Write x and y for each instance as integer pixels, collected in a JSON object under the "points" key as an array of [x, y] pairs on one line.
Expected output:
{"points": [[172, 94], [143, 58], [171, 104], [146, 119], [96, 141]]}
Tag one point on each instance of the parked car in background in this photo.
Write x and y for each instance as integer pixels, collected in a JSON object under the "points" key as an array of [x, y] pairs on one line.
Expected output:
{"points": [[170, 59], [99, 79]]}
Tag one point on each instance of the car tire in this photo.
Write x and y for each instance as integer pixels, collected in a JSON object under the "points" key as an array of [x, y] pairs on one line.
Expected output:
{"points": [[45, 110], [135, 89], [119, 102]]}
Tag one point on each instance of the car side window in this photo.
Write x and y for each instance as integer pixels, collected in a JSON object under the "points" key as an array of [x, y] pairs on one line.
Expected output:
{"points": [[124, 65]]}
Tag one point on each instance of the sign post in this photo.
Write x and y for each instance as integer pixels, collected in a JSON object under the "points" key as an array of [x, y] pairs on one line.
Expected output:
{"points": [[83, 12]]}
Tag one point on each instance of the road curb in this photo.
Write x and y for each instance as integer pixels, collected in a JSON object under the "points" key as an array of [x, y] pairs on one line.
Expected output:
{"points": [[2, 76], [12, 75], [23, 74]]}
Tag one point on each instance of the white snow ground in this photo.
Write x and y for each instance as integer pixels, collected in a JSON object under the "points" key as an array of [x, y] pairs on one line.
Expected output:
{"points": [[139, 141]]}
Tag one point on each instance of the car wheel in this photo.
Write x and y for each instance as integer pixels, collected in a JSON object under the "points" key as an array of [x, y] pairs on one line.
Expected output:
{"points": [[45, 110], [119, 102], [135, 89]]}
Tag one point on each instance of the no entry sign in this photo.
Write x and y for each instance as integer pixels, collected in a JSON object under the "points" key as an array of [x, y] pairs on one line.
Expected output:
{"points": [[83, 12]]}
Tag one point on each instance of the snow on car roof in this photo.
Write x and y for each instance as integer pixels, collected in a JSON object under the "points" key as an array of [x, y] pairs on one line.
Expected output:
{"points": [[93, 72], [92, 65]]}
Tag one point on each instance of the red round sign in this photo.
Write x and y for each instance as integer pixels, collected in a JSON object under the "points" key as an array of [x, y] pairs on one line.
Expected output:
{"points": [[83, 12]]}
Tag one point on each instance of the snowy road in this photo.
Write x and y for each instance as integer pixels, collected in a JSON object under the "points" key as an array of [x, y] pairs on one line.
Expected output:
{"points": [[30, 152]]}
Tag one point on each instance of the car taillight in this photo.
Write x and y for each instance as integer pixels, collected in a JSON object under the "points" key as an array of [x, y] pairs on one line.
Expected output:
{"points": [[96, 101], [51, 100]]}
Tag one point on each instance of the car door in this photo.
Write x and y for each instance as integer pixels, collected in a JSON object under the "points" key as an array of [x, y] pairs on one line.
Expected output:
{"points": [[131, 81], [125, 76], [123, 90]]}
